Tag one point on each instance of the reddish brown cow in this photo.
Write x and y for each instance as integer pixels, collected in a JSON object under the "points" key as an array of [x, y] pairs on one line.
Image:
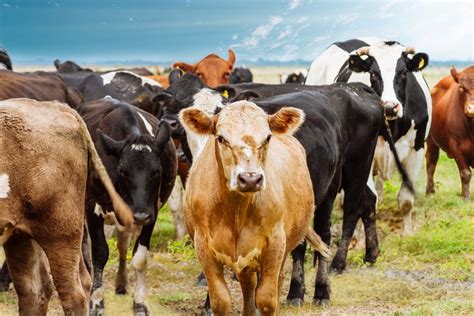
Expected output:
{"points": [[212, 69], [452, 128], [161, 79]]}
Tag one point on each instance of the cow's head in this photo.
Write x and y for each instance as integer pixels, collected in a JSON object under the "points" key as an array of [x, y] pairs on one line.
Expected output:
{"points": [[138, 173], [212, 69], [243, 133], [465, 81], [390, 66]]}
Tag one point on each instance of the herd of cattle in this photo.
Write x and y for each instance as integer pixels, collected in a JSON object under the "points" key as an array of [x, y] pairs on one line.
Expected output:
{"points": [[243, 166]]}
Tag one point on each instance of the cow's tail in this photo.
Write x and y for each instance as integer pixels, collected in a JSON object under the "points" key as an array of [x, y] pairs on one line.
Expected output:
{"points": [[318, 244], [121, 209], [387, 135], [5, 59]]}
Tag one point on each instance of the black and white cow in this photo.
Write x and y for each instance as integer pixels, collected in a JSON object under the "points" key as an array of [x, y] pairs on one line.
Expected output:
{"points": [[341, 126], [393, 71], [126, 86], [240, 75], [5, 61], [141, 161]]}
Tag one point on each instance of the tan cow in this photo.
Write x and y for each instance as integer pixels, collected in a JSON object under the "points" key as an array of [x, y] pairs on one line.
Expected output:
{"points": [[46, 156], [249, 200]]}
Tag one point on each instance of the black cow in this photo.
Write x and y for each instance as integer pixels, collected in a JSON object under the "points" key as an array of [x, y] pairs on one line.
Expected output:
{"points": [[5, 59], [340, 131], [69, 66], [240, 75], [137, 90], [393, 71], [141, 160], [293, 78]]}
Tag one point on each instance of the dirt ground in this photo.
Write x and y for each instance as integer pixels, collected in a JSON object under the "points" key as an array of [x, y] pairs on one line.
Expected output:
{"points": [[429, 273]]}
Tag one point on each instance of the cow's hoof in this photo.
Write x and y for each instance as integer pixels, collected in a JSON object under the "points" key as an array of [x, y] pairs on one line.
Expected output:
{"points": [[371, 257], [201, 280], [4, 286], [121, 290], [140, 309], [206, 312], [338, 266], [323, 302], [296, 302], [97, 309]]}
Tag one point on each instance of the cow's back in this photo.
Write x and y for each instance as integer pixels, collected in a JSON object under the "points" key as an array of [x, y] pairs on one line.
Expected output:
{"points": [[43, 152]]}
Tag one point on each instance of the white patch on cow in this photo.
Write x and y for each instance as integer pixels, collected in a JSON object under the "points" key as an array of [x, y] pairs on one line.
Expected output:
{"points": [[97, 296], [108, 77], [147, 124], [141, 147], [207, 100], [4, 186], [109, 217], [139, 262]]}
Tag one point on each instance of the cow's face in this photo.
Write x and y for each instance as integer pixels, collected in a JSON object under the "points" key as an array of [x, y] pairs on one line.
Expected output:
{"points": [[138, 173], [212, 69], [390, 67], [465, 81], [243, 133]]}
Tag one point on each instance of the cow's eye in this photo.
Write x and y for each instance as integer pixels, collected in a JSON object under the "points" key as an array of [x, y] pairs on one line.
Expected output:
{"points": [[226, 75], [199, 74], [221, 139]]}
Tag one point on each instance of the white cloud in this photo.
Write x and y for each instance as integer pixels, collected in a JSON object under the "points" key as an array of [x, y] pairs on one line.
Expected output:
{"points": [[285, 33], [302, 19], [294, 4], [235, 37], [346, 18], [262, 32]]}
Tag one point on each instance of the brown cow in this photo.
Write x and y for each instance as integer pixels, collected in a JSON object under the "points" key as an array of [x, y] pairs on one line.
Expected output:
{"points": [[161, 79], [212, 69], [452, 127], [249, 200], [40, 86], [47, 154]]}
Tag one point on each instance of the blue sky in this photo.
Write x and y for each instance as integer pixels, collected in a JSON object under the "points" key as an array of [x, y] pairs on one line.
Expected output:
{"points": [[281, 30]]}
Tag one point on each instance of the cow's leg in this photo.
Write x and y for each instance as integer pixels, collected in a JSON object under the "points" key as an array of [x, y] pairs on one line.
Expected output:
{"points": [[248, 282], [139, 263], [30, 274], [368, 205], [266, 295], [322, 226], [406, 199], [85, 276], [297, 287], [86, 250], [219, 294], [352, 213], [100, 255], [5, 279], [431, 156], [465, 173], [175, 202], [121, 280]]}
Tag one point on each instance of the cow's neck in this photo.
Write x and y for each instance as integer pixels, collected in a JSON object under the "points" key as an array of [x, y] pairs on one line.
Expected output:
{"points": [[460, 100]]}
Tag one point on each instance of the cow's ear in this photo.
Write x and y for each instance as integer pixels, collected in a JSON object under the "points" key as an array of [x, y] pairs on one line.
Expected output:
{"points": [[227, 92], [174, 75], [162, 136], [197, 121], [357, 64], [231, 59], [160, 101], [286, 121], [110, 146], [184, 67], [454, 74], [418, 62], [247, 95]]}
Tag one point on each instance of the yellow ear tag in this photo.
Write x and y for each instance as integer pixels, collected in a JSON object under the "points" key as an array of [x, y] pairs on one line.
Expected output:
{"points": [[225, 94], [421, 64], [351, 61]]}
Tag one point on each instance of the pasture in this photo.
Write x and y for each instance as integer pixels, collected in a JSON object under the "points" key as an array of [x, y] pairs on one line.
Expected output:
{"points": [[431, 272]]}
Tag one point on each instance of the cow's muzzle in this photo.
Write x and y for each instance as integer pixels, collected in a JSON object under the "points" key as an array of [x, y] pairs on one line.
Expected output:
{"points": [[393, 110], [142, 218], [249, 181], [469, 110]]}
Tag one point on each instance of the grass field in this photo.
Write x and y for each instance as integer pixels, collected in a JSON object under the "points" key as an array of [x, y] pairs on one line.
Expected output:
{"points": [[429, 273]]}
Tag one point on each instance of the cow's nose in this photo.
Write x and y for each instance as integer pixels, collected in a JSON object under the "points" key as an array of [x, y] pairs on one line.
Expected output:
{"points": [[250, 181], [142, 218], [392, 109], [172, 123]]}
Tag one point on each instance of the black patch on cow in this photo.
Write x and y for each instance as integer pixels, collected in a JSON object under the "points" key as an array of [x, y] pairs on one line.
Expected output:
{"points": [[351, 45], [391, 43]]}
